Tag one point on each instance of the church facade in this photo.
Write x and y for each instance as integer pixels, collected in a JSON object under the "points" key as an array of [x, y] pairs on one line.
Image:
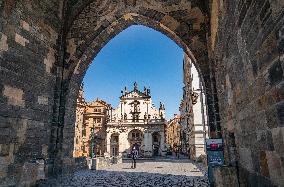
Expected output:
{"points": [[136, 123]]}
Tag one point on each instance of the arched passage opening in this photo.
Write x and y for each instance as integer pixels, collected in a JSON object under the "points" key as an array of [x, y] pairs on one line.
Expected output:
{"points": [[121, 118], [135, 138], [156, 143], [85, 40]]}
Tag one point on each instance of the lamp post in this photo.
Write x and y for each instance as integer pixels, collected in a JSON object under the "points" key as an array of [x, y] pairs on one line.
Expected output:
{"points": [[92, 155]]}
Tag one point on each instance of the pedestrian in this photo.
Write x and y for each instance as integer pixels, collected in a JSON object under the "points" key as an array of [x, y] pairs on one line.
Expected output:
{"points": [[176, 152], [134, 156]]}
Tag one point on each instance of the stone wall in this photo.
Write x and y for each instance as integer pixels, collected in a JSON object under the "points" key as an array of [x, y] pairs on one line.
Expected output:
{"points": [[81, 163], [225, 176], [248, 50], [79, 124], [28, 43]]}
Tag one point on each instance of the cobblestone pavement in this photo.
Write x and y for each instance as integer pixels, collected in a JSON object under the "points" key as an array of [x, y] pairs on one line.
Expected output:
{"points": [[149, 173]]}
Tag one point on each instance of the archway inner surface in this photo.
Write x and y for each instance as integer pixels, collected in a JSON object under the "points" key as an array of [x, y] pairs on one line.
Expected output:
{"points": [[184, 22]]}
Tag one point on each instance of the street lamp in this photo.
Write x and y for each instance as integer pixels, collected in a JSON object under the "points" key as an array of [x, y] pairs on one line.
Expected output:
{"points": [[92, 155]]}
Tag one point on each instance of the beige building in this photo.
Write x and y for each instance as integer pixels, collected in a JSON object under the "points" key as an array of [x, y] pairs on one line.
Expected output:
{"points": [[136, 122], [90, 117], [173, 132]]}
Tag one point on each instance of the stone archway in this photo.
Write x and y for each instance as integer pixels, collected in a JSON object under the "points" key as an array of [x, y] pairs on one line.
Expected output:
{"points": [[244, 60], [156, 143], [135, 138], [114, 144], [183, 22], [245, 53]]}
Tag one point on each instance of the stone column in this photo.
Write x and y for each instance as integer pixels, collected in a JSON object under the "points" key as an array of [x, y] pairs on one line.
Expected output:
{"points": [[145, 139], [148, 144], [162, 144], [123, 142]]}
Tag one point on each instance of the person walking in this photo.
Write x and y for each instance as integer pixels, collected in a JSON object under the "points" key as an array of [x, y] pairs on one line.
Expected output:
{"points": [[134, 156], [178, 151]]}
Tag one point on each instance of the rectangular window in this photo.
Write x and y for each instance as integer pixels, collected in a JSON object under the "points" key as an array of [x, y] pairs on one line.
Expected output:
{"points": [[84, 132], [116, 139], [99, 120]]}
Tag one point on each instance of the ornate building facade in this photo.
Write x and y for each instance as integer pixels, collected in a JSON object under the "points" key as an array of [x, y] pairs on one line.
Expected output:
{"points": [[199, 129], [136, 122], [90, 118], [192, 113], [186, 106]]}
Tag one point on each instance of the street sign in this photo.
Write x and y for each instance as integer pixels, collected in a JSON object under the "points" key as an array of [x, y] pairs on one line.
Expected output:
{"points": [[215, 156]]}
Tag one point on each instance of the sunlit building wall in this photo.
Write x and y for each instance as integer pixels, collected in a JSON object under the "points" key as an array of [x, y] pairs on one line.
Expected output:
{"points": [[90, 117], [193, 117], [199, 128], [136, 122]]}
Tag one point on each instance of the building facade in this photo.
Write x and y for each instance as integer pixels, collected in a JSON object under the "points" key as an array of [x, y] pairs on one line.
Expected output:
{"points": [[90, 118], [192, 113], [136, 122], [186, 106], [199, 129], [173, 134]]}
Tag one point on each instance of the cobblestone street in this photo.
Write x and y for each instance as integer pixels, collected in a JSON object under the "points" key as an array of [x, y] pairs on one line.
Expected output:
{"points": [[156, 173]]}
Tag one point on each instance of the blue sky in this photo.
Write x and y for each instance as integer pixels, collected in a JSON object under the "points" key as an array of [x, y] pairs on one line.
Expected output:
{"points": [[138, 54]]}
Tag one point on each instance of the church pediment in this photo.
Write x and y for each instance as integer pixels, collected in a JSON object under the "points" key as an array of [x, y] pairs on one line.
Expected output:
{"points": [[98, 103], [135, 94]]}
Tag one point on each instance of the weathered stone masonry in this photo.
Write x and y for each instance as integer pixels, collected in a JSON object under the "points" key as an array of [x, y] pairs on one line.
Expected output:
{"points": [[46, 47], [28, 48], [249, 63]]}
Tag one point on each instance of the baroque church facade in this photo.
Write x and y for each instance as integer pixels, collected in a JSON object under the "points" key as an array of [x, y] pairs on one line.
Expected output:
{"points": [[136, 122]]}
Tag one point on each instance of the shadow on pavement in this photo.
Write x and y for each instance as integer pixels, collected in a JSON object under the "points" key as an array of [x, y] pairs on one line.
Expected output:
{"points": [[104, 178]]}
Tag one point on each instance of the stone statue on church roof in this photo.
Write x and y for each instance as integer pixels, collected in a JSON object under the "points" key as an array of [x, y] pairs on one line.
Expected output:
{"points": [[135, 86], [162, 106], [148, 91]]}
